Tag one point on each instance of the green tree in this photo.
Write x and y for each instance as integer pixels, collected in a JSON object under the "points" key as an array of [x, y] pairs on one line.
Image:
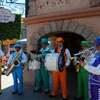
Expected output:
{"points": [[11, 30]]}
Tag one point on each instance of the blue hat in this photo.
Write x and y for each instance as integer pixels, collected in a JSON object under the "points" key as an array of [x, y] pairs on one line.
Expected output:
{"points": [[44, 40], [17, 45], [98, 44], [97, 39]]}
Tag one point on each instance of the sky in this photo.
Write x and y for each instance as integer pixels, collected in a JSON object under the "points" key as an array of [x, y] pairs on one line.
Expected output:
{"points": [[16, 8], [17, 1]]}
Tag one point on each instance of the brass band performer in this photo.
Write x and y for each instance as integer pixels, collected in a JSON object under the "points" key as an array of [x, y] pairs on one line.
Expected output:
{"points": [[83, 74]]}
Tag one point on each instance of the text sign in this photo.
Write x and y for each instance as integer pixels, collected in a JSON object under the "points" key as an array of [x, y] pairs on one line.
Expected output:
{"points": [[6, 16]]}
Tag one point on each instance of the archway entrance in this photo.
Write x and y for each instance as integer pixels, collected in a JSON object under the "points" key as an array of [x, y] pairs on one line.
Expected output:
{"points": [[71, 40]]}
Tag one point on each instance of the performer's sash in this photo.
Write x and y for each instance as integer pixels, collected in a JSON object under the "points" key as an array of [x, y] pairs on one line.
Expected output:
{"points": [[93, 78]]}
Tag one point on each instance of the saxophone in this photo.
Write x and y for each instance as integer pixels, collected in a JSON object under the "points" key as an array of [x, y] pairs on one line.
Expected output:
{"points": [[14, 63]]}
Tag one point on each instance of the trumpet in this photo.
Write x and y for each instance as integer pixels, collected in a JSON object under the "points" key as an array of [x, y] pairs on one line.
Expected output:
{"points": [[72, 58], [84, 54], [84, 51]]}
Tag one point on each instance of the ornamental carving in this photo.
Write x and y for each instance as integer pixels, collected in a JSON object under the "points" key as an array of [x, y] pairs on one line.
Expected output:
{"points": [[94, 3], [32, 9], [49, 6]]}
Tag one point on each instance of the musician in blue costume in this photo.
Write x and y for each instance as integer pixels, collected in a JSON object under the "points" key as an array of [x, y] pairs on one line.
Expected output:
{"points": [[42, 73], [18, 71], [94, 76]]}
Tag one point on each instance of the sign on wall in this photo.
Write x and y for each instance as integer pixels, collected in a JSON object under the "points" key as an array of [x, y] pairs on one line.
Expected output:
{"points": [[6, 16]]}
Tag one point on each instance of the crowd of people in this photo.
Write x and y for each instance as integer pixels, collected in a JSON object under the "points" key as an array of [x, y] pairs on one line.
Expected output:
{"points": [[88, 70]]}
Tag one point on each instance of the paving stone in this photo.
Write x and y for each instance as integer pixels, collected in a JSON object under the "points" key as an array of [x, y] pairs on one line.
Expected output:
{"points": [[80, 28], [73, 26], [37, 36], [91, 38], [41, 32], [47, 29], [33, 40], [59, 25], [53, 26], [66, 24], [86, 32]]}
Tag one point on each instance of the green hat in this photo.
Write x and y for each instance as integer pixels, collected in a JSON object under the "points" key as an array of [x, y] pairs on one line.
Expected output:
{"points": [[85, 42], [44, 40]]}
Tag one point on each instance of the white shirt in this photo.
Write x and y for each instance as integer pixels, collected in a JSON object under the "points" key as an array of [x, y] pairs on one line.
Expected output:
{"points": [[68, 56], [92, 69], [24, 59]]}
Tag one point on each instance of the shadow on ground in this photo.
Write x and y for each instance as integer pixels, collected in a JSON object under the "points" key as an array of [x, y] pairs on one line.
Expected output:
{"points": [[28, 93]]}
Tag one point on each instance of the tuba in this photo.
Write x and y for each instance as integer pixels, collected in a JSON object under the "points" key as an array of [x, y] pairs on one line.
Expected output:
{"points": [[14, 63]]}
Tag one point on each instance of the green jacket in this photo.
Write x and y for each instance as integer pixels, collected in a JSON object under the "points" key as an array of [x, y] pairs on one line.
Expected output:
{"points": [[81, 69]]}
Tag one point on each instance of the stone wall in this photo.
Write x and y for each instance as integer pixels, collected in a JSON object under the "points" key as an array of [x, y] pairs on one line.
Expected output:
{"points": [[51, 6], [32, 9], [40, 7]]}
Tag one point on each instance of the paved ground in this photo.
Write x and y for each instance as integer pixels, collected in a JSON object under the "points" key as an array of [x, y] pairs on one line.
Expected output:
{"points": [[28, 94]]}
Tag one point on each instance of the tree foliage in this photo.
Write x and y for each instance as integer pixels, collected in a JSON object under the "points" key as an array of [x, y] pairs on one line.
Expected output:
{"points": [[11, 30]]}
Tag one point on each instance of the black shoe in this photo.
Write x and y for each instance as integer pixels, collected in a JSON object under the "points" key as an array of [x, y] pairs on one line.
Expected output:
{"points": [[52, 95], [46, 91], [79, 98], [14, 92], [20, 93], [0, 93], [65, 98], [37, 90]]}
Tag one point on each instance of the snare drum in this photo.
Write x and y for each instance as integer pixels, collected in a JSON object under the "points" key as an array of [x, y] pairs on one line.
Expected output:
{"points": [[51, 61]]}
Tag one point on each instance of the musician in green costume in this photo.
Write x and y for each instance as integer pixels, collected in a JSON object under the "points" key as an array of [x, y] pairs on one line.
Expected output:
{"points": [[42, 73], [83, 76]]}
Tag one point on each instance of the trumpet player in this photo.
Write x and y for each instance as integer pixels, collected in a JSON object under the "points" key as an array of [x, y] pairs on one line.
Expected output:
{"points": [[94, 75], [18, 70], [83, 75]]}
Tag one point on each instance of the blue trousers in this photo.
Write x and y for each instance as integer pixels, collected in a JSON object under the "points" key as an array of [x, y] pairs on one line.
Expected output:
{"points": [[18, 75], [94, 92]]}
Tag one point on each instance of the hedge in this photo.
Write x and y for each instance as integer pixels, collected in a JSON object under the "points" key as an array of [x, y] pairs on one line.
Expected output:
{"points": [[11, 30]]}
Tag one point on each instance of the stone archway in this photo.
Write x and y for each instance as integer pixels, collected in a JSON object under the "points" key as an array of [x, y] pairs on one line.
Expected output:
{"points": [[64, 26]]}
